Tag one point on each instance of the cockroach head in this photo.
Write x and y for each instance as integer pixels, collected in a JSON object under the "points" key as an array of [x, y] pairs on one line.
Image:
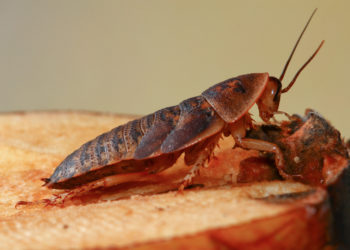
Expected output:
{"points": [[269, 100]]}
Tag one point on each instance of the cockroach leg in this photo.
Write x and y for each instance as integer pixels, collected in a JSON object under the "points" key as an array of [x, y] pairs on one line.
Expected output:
{"points": [[275, 120], [62, 198], [284, 113], [197, 158], [40, 203], [238, 132], [187, 180], [289, 117], [265, 146], [105, 182]]}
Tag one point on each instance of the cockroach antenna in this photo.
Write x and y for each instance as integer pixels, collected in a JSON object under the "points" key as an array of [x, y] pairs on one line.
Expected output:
{"points": [[291, 55], [301, 69]]}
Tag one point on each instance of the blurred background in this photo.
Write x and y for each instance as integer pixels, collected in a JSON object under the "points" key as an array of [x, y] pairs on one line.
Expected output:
{"points": [[139, 56]]}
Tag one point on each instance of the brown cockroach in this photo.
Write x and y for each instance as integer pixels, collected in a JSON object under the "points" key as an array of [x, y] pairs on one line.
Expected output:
{"points": [[154, 142]]}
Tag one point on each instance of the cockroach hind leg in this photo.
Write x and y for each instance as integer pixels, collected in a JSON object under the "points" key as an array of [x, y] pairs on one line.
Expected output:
{"points": [[60, 199], [24, 203], [79, 192], [34, 204], [67, 197]]}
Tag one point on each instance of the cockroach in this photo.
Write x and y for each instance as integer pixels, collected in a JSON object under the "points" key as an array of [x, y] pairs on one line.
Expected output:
{"points": [[154, 142]]}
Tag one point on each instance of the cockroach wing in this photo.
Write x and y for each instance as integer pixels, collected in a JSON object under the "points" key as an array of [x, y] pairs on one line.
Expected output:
{"points": [[232, 98], [197, 121], [164, 122], [134, 140]]}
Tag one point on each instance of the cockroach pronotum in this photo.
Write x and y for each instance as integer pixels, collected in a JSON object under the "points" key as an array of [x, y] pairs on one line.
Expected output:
{"points": [[154, 142]]}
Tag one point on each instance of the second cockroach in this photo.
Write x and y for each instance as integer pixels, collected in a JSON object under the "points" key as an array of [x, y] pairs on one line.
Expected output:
{"points": [[154, 142]]}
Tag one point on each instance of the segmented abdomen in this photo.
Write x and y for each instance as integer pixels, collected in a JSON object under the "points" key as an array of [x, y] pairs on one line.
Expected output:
{"points": [[163, 132], [114, 146]]}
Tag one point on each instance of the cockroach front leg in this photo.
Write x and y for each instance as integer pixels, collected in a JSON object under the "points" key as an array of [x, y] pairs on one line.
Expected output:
{"points": [[265, 146], [289, 117], [238, 132], [285, 114]]}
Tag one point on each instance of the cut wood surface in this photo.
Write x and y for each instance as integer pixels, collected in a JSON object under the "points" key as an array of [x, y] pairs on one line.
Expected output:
{"points": [[270, 214]]}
